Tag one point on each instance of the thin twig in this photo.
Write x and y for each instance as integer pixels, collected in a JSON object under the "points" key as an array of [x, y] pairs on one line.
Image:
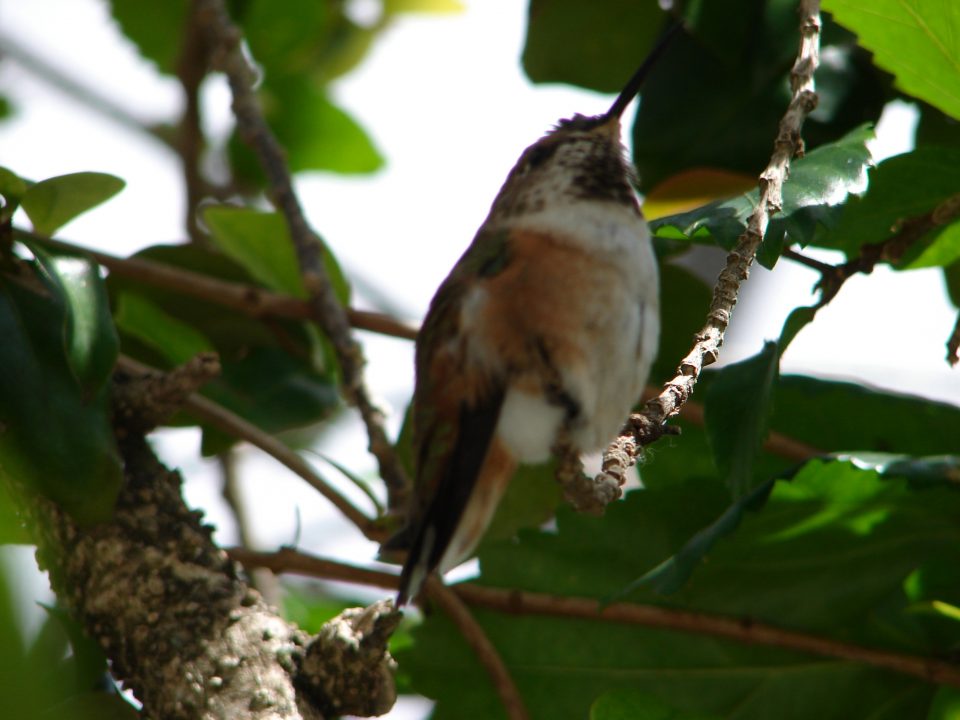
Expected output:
{"points": [[235, 426], [191, 70], [742, 630], [452, 604], [266, 583], [224, 39], [892, 250], [248, 299], [648, 426]]}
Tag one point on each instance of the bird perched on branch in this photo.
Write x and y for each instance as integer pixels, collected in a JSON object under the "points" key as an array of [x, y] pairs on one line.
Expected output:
{"points": [[548, 323]]}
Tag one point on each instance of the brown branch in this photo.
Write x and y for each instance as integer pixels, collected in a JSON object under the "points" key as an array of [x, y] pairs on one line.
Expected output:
{"points": [[451, 603], [891, 250], [648, 426], [250, 300], [742, 630], [224, 38], [191, 70], [908, 233], [775, 443], [235, 426]]}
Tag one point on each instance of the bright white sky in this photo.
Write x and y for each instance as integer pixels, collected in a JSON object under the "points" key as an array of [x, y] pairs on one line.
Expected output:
{"points": [[446, 102]]}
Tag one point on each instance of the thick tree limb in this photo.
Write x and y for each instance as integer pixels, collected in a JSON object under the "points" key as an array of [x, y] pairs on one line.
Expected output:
{"points": [[224, 39], [180, 628], [742, 630], [648, 426]]}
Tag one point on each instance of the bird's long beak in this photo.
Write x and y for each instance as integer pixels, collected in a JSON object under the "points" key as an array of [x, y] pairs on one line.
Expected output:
{"points": [[634, 84]]}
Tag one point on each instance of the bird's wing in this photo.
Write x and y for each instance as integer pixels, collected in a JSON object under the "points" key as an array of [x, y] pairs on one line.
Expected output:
{"points": [[457, 405]]}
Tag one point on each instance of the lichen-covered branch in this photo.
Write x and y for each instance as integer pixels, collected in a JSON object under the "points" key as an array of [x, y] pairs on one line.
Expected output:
{"points": [[647, 426], [180, 626], [227, 55]]}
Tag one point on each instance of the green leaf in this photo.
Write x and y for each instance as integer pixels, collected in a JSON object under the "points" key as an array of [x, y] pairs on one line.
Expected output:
{"points": [[902, 187], [946, 704], [829, 554], [271, 375], [259, 241], [272, 390], [637, 705], [286, 42], [917, 41], [52, 203], [56, 438], [12, 188], [156, 28], [561, 41], [813, 196], [796, 321], [754, 41], [672, 574], [177, 341], [862, 419], [737, 410], [13, 529], [317, 134], [89, 336], [688, 298], [530, 500]]}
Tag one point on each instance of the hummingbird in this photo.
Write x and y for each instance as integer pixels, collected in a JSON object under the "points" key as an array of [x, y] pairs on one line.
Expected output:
{"points": [[548, 323]]}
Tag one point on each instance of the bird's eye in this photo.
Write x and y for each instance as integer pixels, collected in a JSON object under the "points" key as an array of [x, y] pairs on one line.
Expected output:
{"points": [[539, 155]]}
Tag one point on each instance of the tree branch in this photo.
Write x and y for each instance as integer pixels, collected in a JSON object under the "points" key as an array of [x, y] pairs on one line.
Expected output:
{"points": [[235, 426], [909, 232], [647, 426], [250, 300], [742, 630], [191, 70], [451, 603], [224, 38]]}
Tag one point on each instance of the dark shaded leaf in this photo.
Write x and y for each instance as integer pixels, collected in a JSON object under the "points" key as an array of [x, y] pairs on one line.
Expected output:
{"points": [[902, 187], [89, 336], [562, 46], [52, 203], [753, 41], [55, 438], [672, 574], [829, 554], [12, 188], [916, 41], [530, 500], [813, 196], [316, 133], [274, 372], [175, 340], [156, 28], [260, 242], [737, 410], [637, 705], [685, 299]]}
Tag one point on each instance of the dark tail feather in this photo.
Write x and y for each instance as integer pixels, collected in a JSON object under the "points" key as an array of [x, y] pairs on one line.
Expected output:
{"points": [[459, 474]]}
